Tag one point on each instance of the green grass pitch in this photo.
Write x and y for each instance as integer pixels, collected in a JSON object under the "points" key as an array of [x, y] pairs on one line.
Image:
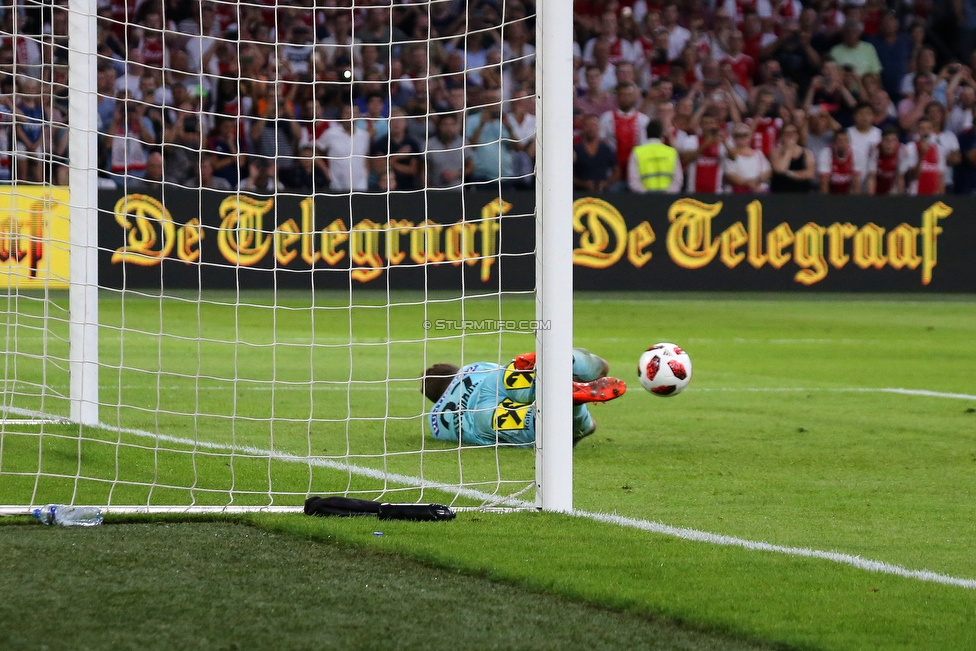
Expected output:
{"points": [[781, 437]]}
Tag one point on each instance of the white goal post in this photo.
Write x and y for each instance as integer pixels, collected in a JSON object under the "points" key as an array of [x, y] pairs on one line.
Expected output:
{"points": [[246, 330], [554, 256]]}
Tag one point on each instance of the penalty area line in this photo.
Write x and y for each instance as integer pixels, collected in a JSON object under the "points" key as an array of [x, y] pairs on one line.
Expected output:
{"points": [[491, 499]]}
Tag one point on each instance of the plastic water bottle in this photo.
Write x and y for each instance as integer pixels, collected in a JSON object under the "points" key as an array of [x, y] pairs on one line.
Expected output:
{"points": [[69, 516]]}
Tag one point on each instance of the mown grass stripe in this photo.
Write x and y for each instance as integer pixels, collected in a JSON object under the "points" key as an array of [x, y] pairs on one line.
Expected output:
{"points": [[492, 499]]}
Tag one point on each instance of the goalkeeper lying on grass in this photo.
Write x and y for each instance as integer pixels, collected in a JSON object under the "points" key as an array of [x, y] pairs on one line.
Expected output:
{"points": [[485, 404]]}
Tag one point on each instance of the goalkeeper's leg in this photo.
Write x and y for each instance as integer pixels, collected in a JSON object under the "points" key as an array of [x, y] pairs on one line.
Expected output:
{"points": [[590, 384], [587, 367], [583, 423]]}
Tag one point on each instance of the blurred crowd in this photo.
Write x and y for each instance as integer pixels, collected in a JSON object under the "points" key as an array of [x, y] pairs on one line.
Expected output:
{"points": [[836, 96]]}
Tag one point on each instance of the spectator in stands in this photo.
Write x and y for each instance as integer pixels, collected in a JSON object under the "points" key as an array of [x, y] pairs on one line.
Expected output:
{"points": [[595, 167], [127, 140], [520, 121], [793, 164], [607, 70], [771, 80], [836, 167], [105, 87], [894, 50], [828, 91], [20, 38], [56, 139], [7, 139], [704, 155], [295, 54], [721, 31], [657, 57], [274, 132], [225, 144], [626, 73], [203, 32], [678, 75], [925, 61], [678, 36], [151, 91], [368, 64], [883, 112], [746, 169], [446, 161], [477, 44], [398, 153], [154, 170], [30, 121], [150, 40], [654, 166], [259, 179], [619, 49], [912, 108], [869, 86], [819, 130], [945, 140], [852, 50], [340, 43], [346, 149], [380, 30], [752, 33], [310, 121], [181, 146], [732, 93], [797, 58], [863, 136], [965, 14], [518, 54], [489, 140], [727, 109], [594, 99], [130, 80], [309, 174], [684, 110], [765, 124], [964, 176], [624, 127], [743, 64], [660, 93], [885, 165], [206, 178], [924, 163], [960, 100]]}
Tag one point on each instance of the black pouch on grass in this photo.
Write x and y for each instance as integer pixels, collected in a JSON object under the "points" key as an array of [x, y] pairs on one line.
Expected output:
{"points": [[340, 506], [415, 512], [347, 506]]}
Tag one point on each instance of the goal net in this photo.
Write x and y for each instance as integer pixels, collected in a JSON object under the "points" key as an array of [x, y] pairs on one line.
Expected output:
{"points": [[233, 236]]}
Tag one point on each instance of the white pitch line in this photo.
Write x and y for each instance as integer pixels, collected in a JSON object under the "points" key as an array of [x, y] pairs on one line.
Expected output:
{"points": [[731, 541], [905, 392], [373, 473], [608, 518], [379, 387], [644, 525]]}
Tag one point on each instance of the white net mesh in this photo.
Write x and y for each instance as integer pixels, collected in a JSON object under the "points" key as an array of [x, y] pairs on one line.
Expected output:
{"points": [[301, 207]]}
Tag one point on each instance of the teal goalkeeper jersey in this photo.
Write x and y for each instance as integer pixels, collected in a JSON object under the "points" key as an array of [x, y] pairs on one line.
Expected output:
{"points": [[486, 404]]}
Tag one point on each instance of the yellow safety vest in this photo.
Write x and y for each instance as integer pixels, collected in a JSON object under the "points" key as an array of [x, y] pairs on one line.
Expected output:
{"points": [[656, 164]]}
